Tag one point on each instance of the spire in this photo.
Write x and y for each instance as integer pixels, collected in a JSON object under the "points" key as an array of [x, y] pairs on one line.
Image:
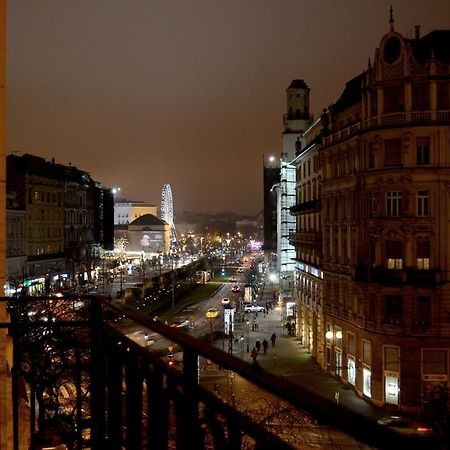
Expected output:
{"points": [[391, 18]]}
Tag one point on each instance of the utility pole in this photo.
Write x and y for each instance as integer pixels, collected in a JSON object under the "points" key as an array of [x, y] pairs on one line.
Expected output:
{"points": [[173, 284]]}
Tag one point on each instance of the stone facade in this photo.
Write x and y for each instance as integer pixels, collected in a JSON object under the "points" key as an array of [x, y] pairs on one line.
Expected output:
{"points": [[384, 213]]}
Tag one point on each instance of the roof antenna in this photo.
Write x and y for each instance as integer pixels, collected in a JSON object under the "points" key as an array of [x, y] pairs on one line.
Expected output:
{"points": [[391, 18]]}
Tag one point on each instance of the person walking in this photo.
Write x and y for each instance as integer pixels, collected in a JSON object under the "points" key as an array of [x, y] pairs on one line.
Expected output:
{"points": [[273, 339], [265, 344], [254, 355], [258, 345]]}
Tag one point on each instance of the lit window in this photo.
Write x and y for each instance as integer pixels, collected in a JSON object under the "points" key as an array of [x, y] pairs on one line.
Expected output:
{"points": [[394, 254], [423, 254]]}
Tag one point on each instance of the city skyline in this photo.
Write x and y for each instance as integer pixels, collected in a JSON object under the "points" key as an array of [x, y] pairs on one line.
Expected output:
{"points": [[192, 96]]}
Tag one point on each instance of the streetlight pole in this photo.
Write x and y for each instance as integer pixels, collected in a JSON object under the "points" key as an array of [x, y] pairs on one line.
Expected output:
{"points": [[173, 284], [248, 335]]}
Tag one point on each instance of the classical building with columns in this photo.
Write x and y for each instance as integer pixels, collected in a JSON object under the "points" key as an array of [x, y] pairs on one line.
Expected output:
{"points": [[376, 298]]}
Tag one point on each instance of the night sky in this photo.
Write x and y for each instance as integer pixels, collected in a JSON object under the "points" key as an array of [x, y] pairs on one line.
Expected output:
{"points": [[140, 93]]}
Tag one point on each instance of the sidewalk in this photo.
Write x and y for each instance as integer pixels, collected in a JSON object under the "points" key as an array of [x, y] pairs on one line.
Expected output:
{"points": [[291, 360]]}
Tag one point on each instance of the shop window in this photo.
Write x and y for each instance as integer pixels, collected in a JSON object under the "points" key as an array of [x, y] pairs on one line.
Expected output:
{"points": [[423, 254], [393, 308], [435, 361], [422, 151]]}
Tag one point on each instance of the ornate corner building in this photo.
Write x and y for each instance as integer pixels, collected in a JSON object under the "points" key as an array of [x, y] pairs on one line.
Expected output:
{"points": [[372, 264]]}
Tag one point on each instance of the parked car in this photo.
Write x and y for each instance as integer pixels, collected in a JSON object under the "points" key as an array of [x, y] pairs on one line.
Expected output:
{"points": [[253, 308]]}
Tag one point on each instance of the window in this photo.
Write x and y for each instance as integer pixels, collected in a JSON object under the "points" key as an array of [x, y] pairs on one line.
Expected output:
{"points": [[420, 97], [422, 151], [371, 155], [435, 361], [392, 359], [394, 99], [393, 203], [393, 308], [367, 353], [392, 152], [423, 202], [351, 343], [394, 254], [442, 95], [423, 254], [423, 310]]}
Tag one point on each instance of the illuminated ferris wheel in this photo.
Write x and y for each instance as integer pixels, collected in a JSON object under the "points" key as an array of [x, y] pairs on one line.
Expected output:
{"points": [[167, 212]]}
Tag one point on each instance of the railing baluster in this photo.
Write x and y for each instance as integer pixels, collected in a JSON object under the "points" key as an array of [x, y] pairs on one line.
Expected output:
{"points": [[157, 410], [114, 399], [133, 395]]}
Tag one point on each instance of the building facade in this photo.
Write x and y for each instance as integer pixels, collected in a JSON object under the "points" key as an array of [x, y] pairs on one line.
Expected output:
{"points": [[384, 212], [295, 122], [271, 183], [125, 212], [65, 218]]}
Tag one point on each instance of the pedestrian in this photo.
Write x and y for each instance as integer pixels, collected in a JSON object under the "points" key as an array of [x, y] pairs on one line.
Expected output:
{"points": [[288, 326], [254, 355], [273, 339], [258, 345], [265, 344], [293, 328]]}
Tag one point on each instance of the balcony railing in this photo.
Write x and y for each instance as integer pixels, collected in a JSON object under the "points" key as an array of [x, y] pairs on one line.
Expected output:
{"points": [[408, 276], [118, 394], [309, 206], [386, 120]]}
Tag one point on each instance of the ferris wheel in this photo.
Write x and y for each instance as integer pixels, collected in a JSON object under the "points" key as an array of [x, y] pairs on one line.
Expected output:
{"points": [[167, 212]]}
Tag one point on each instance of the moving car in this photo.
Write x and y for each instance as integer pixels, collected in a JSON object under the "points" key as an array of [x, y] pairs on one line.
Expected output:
{"points": [[253, 308], [232, 279], [235, 288], [184, 323], [407, 425], [212, 313], [240, 270], [225, 301]]}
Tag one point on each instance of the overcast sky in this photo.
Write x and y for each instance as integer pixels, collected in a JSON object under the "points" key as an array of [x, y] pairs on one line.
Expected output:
{"points": [[140, 93]]}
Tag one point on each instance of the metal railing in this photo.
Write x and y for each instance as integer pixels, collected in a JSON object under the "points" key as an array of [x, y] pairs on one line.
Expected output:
{"points": [[126, 396]]}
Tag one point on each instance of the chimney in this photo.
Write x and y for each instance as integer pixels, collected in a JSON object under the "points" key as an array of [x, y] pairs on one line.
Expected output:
{"points": [[417, 33]]}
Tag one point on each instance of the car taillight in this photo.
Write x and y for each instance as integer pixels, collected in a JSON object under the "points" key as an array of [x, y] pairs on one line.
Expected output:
{"points": [[424, 429]]}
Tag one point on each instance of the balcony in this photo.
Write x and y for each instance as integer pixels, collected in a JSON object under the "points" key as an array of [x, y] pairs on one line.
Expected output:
{"points": [[366, 274], [119, 394], [305, 207], [312, 237], [387, 120], [297, 116]]}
